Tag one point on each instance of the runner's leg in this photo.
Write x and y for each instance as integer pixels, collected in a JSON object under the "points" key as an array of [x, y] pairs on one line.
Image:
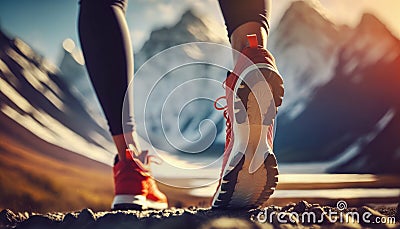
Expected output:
{"points": [[107, 48]]}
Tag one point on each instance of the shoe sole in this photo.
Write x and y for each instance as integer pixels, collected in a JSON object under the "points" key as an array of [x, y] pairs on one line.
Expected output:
{"points": [[135, 202], [251, 174]]}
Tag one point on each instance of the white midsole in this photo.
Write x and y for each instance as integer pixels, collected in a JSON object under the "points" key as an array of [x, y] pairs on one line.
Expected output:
{"points": [[156, 205], [129, 199]]}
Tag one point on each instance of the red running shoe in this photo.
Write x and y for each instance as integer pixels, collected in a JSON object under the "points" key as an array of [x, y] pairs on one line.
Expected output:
{"points": [[249, 169], [134, 187]]}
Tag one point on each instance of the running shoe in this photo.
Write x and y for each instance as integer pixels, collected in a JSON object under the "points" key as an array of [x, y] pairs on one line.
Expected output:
{"points": [[134, 187], [253, 90]]}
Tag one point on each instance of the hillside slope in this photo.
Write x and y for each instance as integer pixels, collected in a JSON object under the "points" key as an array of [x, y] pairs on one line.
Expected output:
{"points": [[46, 177]]}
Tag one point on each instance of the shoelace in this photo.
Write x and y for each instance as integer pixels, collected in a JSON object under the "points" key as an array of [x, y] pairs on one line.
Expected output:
{"points": [[143, 159], [228, 125]]}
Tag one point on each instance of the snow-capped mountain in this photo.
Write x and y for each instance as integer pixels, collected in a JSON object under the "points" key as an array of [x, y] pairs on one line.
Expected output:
{"points": [[304, 44], [175, 89], [36, 101], [369, 64], [190, 28], [351, 118]]}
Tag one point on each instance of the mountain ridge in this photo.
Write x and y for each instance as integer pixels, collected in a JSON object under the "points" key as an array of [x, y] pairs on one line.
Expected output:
{"points": [[350, 105]]}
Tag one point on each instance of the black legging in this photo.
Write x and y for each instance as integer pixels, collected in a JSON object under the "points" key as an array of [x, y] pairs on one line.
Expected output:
{"points": [[106, 46]]}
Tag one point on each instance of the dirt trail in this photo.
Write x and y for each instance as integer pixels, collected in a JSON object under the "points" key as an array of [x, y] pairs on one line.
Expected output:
{"points": [[289, 216]]}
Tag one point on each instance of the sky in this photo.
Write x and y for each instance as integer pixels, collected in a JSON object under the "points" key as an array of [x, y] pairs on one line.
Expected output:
{"points": [[45, 24]]}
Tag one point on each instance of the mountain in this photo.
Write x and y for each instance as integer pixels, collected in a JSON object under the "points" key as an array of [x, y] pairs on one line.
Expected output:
{"points": [[190, 28], [176, 83], [350, 119], [34, 95], [304, 44], [371, 70]]}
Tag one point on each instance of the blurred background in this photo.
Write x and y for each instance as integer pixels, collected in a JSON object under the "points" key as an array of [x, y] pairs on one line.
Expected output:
{"points": [[337, 131]]}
